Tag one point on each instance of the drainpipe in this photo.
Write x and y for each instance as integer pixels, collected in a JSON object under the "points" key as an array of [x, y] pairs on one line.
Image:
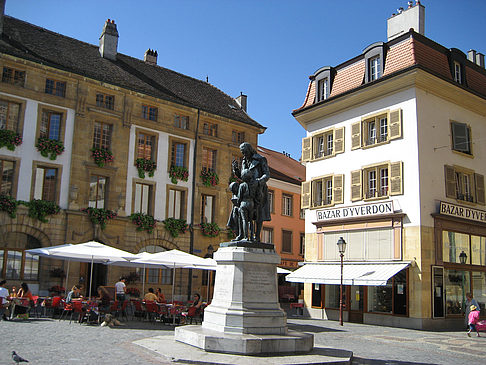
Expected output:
{"points": [[191, 231]]}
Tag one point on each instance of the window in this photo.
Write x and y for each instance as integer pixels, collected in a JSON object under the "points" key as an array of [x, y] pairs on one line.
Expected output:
{"points": [[207, 208], [376, 129], [51, 125], [105, 101], [323, 144], [208, 159], [143, 198], [390, 298], [271, 199], [325, 191], [176, 204], [18, 265], [323, 89], [377, 182], [464, 184], [102, 135], [332, 296], [178, 154], [374, 68], [287, 205], [54, 87], [156, 276], [149, 112], [145, 146], [45, 186], [453, 243], [12, 76], [302, 244], [457, 72], [7, 169], [238, 137], [181, 121], [461, 137], [9, 115], [210, 129], [97, 191], [287, 241], [267, 235]]}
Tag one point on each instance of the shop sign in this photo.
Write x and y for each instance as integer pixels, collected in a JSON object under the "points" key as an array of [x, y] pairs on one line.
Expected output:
{"points": [[355, 211], [458, 211]]}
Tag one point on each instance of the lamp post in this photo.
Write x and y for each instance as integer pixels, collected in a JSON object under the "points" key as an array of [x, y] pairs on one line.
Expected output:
{"points": [[209, 255], [462, 260], [341, 247]]}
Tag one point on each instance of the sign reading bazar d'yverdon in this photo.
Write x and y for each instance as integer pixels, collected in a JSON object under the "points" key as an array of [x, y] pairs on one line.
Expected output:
{"points": [[462, 212], [355, 211]]}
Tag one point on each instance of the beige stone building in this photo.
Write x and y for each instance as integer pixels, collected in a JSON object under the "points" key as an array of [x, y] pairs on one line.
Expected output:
{"points": [[137, 138], [395, 166]]}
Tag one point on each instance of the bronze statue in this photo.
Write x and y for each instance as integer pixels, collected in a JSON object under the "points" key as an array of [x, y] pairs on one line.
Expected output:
{"points": [[250, 197]]}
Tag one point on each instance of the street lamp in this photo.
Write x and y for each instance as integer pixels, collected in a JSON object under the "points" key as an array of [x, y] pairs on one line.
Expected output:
{"points": [[209, 255], [341, 247], [462, 260]]}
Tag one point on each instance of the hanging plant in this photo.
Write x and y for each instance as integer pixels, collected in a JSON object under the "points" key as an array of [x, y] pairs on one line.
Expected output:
{"points": [[40, 209], [210, 229], [9, 139], [175, 226], [145, 165], [178, 173], [99, 215], [101, 156], [8, 205], [49, 147], [209, 178], [234, 178], [144, 222]]}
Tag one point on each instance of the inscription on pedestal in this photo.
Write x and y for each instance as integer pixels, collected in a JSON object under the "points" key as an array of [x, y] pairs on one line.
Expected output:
{"points": [[259, 284]]}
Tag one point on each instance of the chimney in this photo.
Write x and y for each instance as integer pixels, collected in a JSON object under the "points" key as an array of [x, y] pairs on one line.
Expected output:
{"points": [[480, 59], [413, 17], [242, 101], [471, 55], [109, 40], [2, 13], [150, 57]]}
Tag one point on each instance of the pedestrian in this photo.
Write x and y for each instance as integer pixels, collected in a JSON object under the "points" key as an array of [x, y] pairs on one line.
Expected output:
{"points": [[473, 320], [470, 301], [3, 299], [120, 289]]}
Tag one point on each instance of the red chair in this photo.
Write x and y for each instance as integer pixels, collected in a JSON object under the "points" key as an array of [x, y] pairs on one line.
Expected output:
{"points": [[152, 310], [139, 311], [78, 309], [53, 305], [67, 308]]}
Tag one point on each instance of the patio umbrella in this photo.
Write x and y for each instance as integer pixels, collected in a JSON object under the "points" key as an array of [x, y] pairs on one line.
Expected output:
{"points": [[47, 252], [281, 270], [93, 252]]}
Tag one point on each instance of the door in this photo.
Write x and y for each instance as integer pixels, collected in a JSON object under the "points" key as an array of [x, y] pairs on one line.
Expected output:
{"points": [[99, 278], [356, 300]]}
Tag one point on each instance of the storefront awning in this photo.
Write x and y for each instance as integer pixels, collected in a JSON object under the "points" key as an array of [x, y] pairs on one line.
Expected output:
{"points": [[354, 273]]}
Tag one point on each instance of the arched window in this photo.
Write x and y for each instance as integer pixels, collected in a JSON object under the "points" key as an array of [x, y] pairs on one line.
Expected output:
{"points": [[15, 263], [156, 276]]}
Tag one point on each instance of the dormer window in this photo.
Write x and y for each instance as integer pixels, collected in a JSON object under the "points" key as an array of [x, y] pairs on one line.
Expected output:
{"points": [[457, 72], [374, 56], [323, 83], [374, 68], [323, 89]]}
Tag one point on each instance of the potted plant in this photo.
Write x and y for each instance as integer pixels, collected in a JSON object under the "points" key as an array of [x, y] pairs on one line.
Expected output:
{"points": [[209, 178], [40, 209], [210, 229], [101, 156], [178, 173], [49, 147], [133, 292], [99, 215], [175, 226], [9, 139], [145, 165], [144, 222], [8, 205]]}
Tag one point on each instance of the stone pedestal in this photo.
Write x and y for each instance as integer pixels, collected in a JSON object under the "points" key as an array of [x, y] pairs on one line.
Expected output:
{"points": [[245, 315]]}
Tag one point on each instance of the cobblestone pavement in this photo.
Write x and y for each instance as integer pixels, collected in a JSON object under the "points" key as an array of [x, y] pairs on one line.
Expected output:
{"points": [[47, 341]]}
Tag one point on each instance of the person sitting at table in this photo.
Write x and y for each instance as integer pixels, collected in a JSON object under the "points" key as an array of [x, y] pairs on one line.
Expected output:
{"points": [[150, 296], [3, 299], [24, 293], [73, 294], [160, 296], [197, 301], [104, 299], [13, 292]]}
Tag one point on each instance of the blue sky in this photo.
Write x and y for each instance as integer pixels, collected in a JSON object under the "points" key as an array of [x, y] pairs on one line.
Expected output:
{"points": [[263, 48]]}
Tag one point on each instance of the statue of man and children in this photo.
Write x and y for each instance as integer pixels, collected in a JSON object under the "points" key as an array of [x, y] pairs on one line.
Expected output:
{"points": [[250, 196]]}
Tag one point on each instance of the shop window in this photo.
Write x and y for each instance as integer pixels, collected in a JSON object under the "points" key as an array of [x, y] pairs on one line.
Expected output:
{"points": [[176, 204], [478, 250], [181, 121], [9, 115], [7, 170], [267, 235], [479, 289], [324, 144], [105, 101], [237, 137], [13, 76], [453, 243], [102, 135], [461, 137], [457, 284], [464, 184], [317, 295], [208, 159], [45, 184], [210, 129], [390, 298], [286, 241], [97, 191], [207, 208], [287, 205], [55, 87], [333, 296], [438, 294], [149, 112]]}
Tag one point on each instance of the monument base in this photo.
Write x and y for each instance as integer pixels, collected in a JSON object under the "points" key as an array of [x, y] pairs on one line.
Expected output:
{"points": [[216, 341], [245, 316]]}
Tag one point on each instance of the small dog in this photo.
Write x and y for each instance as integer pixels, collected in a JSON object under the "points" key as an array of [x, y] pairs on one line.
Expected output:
{"points": [[110, 321]]}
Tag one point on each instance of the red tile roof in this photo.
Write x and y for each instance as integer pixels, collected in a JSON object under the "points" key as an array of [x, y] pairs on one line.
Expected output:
{"points": [[283, 167], [348, 78]]}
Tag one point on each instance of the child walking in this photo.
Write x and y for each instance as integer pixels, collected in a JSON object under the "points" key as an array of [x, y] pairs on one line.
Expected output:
{"points": [[473, 319]]}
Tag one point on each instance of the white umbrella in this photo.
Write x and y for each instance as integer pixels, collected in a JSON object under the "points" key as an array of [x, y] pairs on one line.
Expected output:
{"points": [[93, 252], [281, 270]]}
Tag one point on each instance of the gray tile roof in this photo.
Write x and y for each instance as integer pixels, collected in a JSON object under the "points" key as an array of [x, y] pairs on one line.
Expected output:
{"points": [[27, 41]]}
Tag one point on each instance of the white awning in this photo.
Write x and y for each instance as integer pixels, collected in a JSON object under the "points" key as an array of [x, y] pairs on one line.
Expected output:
{"points": [[354, 273]]}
